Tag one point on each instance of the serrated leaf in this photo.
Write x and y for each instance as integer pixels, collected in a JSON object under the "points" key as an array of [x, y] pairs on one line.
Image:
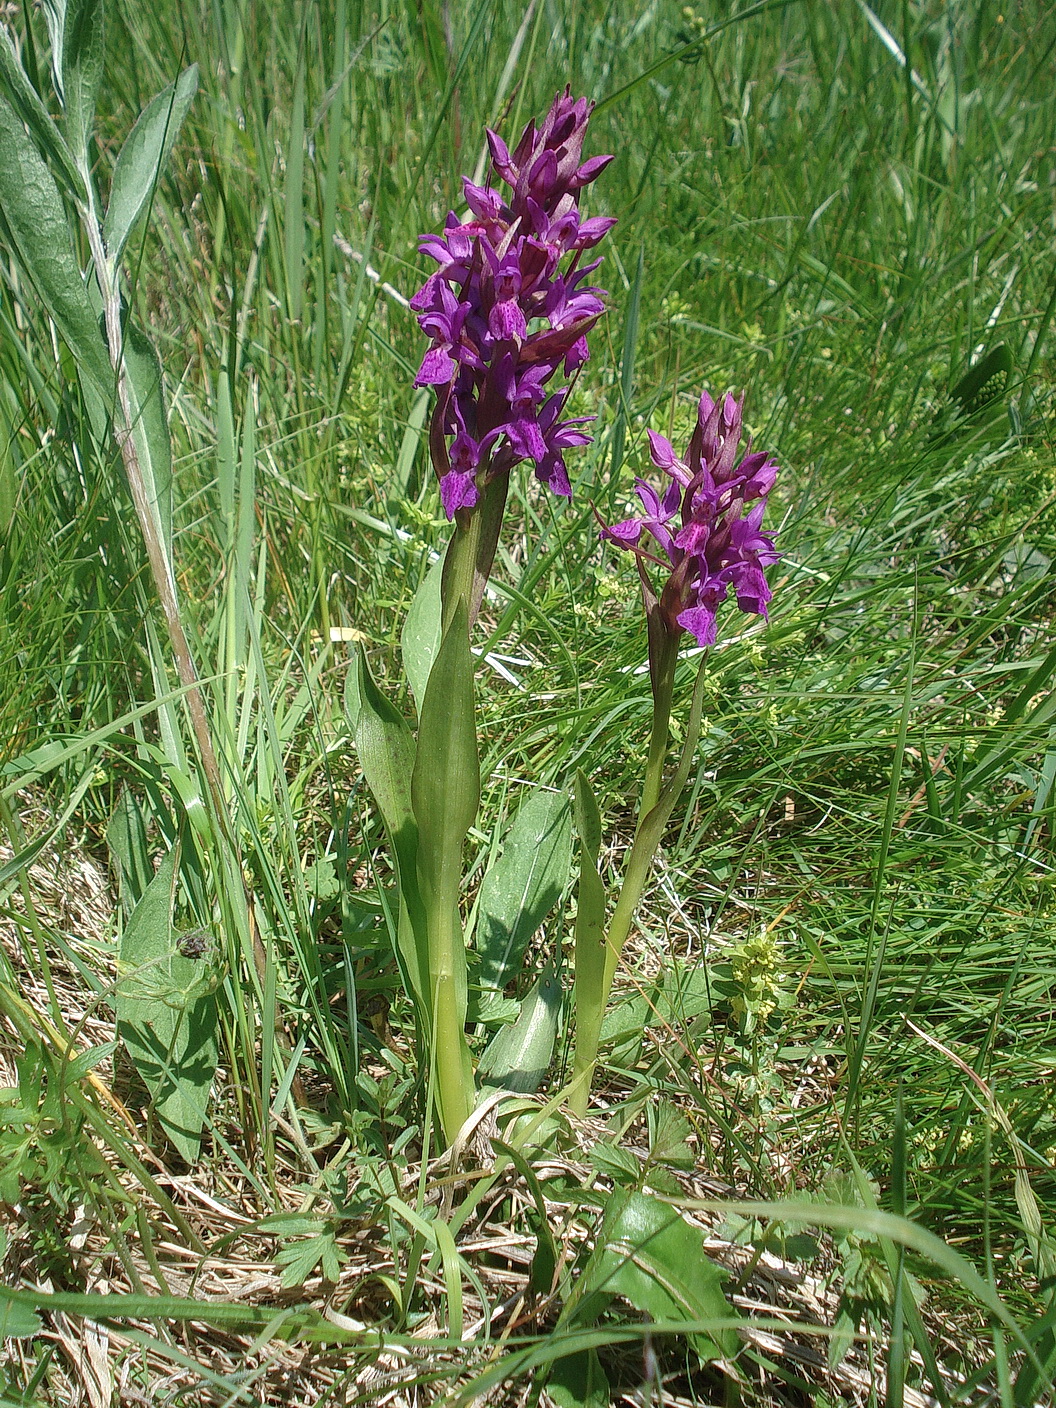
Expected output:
{"points": [[519, 1055], [26, 102], [291, 1224], [169, 1032], [82, 69], [648, 1254], [523, 885], [142, 159], [299, 1259], [150, 428], [421, 634], [33, 221], [616, 1163], [671, 1135]]}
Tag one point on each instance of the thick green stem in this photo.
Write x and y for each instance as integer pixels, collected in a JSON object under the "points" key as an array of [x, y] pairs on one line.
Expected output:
{"points": [[452, 1064], [445, 795], [471, 551], [647, 837], [662, 678]]}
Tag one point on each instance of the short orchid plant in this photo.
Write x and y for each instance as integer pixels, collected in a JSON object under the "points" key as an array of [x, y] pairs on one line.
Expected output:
{"points": [[509, 309]]}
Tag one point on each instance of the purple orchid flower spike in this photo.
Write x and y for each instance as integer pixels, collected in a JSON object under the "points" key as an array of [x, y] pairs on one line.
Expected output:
{"points": [[706, 529], [506, 311]]}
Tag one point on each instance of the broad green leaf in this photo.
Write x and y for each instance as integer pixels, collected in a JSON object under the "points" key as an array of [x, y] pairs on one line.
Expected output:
{"points": [[588, 817], [420, 638], [523, 885], [126, 838], [143, 157], [25, 100], [386, 750], [150, 428], [519, 1055], [445, 794], [651, 1256], [17, 1320], [445, 783], [82, 70], [33, 221], [578, 1381], [166, 1014]]}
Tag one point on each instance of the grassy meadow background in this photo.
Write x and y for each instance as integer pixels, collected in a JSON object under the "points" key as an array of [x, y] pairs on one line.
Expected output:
{"points": [[837, 209]]}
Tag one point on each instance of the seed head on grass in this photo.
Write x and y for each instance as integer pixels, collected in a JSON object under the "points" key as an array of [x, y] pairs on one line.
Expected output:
{"points": [[507, 309], [709, 536]]}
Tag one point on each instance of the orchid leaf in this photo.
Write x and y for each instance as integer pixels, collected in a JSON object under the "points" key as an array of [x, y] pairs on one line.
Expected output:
{"points": [[445, 782], [420, 638], [445, 795], [523, 885], [386, 750], [142, 158], [167, 1015], [519, 1055]]}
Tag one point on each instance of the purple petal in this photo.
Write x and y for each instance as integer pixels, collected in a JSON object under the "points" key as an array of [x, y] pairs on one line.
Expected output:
{"points": [[576, 356], [624, 534], [751, 587], [526, 438], [700, 622], [693, 538], [437, 368], [551, 471], [592, 231], [591, 170], [457, 491], [485, 203], [500, 157], [506, 322], [664, 457]]}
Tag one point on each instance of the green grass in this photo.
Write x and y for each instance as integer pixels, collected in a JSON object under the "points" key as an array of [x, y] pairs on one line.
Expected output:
{"points": [[801, 214]]}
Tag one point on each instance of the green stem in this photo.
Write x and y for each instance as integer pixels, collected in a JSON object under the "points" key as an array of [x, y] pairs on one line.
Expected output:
{"points": [[452, 1064], [647, 838], [471, 551], [662, 678]]}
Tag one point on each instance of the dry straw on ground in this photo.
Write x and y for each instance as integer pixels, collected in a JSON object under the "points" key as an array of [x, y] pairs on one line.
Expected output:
{"points": [[67, 903]]}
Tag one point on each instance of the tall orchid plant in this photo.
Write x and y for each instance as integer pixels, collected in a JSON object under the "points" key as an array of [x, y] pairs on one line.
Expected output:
{"points": [[508, 310]]}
